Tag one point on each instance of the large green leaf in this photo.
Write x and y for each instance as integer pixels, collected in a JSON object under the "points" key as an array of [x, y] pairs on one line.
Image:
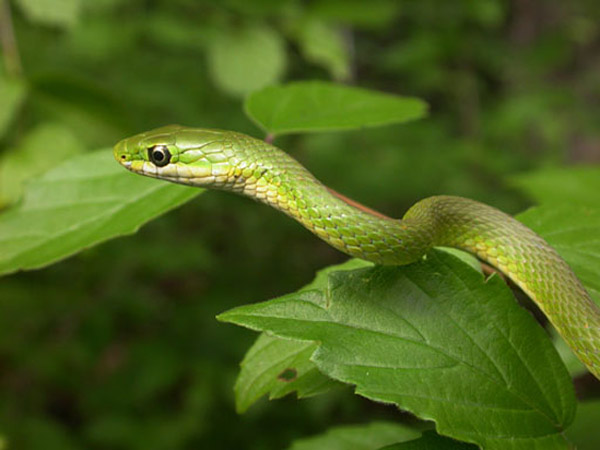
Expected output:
{"points": [[573, 231], [358, 437], [310, 106], [246, 58], [86, 200], [435, 339], [271, 357], [575, 185]]}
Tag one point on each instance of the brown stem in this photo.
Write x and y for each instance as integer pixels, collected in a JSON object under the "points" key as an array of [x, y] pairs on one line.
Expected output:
{"points": [[12, 60], [490, 270], [357, 205]]}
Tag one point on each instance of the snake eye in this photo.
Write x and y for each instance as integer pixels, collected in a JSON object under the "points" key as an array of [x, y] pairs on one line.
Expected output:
{"points": [[159, 155]]}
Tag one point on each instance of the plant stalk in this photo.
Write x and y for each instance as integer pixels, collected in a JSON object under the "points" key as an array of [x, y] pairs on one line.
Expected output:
{"points": [[10, 51]]}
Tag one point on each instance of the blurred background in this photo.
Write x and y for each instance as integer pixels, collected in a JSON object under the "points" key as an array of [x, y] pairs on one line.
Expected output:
{"points": [[117, 347]]}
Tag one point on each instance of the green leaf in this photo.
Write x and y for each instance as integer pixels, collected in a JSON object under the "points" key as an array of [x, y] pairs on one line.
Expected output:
{"points": [[60, 13], [33, 157], [464, 257], [579, 185], [584, 432], [573, 231], [431, 441], [310, 106], [435, 339], [270, 360], [324, 45], [12, 95], [358, 437], [86, 200], [243, 60], [278, 367], [321, 280]]}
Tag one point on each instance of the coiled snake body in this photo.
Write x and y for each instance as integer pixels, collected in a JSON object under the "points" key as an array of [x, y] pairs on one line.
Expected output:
{"points": [[236, 162]]}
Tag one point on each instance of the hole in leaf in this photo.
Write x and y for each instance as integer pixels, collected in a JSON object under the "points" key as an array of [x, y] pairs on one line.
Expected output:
{"points": [[288, 375]]}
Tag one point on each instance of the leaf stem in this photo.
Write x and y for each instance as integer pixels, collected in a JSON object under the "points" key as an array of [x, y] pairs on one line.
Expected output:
{"points": [[269, 138], [12, 59]]}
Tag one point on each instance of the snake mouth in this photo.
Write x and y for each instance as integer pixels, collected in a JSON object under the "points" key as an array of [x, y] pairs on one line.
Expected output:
{"points": [[121, 155]]}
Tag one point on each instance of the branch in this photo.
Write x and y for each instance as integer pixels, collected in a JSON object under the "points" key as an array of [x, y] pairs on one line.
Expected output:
{"points": [[10, 51]]}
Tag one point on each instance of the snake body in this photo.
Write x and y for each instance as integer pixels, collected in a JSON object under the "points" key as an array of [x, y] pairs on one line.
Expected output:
{"points": [[235, 162]]}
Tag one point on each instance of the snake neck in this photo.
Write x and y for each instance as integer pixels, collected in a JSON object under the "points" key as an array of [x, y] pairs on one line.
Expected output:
{"points": [[287, 186]]}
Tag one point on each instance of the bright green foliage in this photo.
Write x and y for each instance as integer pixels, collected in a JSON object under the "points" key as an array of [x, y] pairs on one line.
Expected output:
{"points": [[396, 332], [82, 202], [34, 157], [244, 59], [319, 106], [358, 437]]}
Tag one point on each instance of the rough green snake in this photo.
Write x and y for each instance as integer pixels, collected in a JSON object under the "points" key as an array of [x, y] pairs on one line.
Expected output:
{"points": [[235, 162]]}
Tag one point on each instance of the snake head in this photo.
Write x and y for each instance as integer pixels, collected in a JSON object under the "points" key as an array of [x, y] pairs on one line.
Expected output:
{"points": [[200, 157]]}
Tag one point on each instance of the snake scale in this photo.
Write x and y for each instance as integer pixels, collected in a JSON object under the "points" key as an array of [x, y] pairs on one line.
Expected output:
{"points": [[236, 162]]}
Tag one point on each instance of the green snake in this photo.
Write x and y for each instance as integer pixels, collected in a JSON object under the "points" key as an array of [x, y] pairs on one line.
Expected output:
{"points": [[236, 162]]}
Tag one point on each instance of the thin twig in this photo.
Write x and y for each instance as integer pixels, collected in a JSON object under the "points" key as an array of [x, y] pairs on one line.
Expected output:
{"points": [[269, 138], [12, 59]]}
